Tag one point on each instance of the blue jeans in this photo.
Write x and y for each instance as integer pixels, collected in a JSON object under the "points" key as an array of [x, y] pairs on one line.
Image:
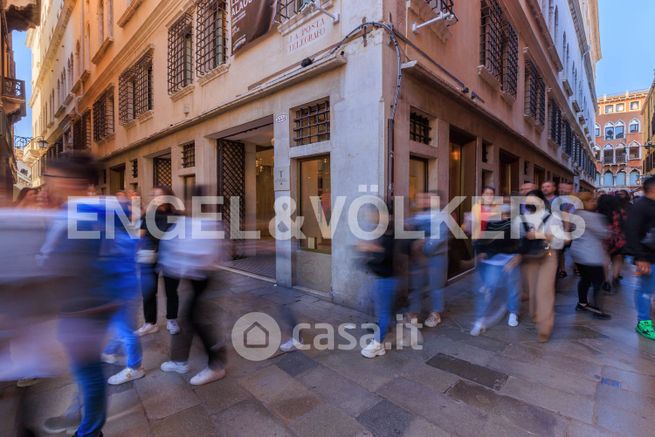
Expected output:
{"points": [[432, 278], [91, 382], [384, 297], [123, 338], [493, 278], [643, 294]]}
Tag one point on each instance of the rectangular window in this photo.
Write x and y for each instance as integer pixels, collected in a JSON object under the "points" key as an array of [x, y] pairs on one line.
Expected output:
{"points": [[211, 24], [620, 107], [288, 8], [189, 155], [312, 123], [314, 185], [555, 123], [633, 153], [535, 94], [609, 109], [135, 89], [180, 55], [499, 51], [634, 106], [135, 168], [82, 132], [103, 116], [419, 128]]}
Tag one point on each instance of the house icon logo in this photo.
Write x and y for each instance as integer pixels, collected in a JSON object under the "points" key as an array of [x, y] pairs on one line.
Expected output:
{"points": [[256, 336]]}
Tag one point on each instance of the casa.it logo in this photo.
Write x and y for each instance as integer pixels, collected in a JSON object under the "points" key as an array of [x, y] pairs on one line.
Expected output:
{"points": [[256, 336]]}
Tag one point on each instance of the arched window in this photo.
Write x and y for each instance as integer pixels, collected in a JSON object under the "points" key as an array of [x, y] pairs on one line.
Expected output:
{"points": [[619, 130], [597, 130], [608, 179], [596, 150], [634, 151], [620, 179], [635, 126], [597, 179], [620, 154], [634, 178], [608, 155], [609, 131]]}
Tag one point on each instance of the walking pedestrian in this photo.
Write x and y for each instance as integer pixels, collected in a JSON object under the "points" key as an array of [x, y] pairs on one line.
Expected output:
{"points": [[641, 245], [542, 238], [616, 215], [429, 260], [193, 258], [499, 262], [152, 229], [590, 257]]}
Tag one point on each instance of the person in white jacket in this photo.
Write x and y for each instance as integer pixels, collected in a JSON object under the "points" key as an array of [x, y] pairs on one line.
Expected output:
{"points": [[590, 256]]}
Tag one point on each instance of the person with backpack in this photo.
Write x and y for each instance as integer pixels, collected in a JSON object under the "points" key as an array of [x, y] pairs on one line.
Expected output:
{"points": [[590, 256], [640, 233], [499, 262], [542, 237]]}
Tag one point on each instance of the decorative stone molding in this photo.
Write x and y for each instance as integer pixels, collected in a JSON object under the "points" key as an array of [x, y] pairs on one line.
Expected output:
{"points": [[128, 13], [177, 95], [102, 50], [145, 116], [486, 75], [216, 72]]}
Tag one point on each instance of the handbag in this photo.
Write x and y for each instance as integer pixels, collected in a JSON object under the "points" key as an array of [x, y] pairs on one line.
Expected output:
{"points": [[534, 249]]}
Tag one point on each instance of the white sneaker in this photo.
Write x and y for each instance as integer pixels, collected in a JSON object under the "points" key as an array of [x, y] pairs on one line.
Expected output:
{"points": [[175, 366], [433, 320], [27, 382], [172, 327], [374, 349], [291, 345], [206, 376], [478, 329], [513, 320], [126, 375], [147, 328]]}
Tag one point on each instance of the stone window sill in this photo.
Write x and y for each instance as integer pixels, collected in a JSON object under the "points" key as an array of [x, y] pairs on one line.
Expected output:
{"points": [[129, 12], [145, 116], [216, 72], [486, 75], [177, 95], [106, 139], [102, 50], [300, 19]]}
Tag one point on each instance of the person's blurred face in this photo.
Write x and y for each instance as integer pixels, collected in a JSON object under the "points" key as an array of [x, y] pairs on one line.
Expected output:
{"points": [[591, 204], [622, 195], [565, 189], [527, 187], [62, 185], [548, 188], [488, 195]]}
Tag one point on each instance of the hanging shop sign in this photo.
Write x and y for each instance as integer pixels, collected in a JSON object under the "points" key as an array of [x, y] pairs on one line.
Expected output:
{"points": [[251, 19]]}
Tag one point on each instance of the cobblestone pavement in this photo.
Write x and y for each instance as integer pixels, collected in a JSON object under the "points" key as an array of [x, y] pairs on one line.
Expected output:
{"points": [[593, 378]]}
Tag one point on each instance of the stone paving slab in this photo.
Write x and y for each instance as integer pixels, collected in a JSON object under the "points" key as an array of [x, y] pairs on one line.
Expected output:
{"points": [[479, 374]]}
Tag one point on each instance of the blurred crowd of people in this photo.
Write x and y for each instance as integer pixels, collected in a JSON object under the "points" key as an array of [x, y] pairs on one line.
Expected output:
{"points": [[91, 289]]}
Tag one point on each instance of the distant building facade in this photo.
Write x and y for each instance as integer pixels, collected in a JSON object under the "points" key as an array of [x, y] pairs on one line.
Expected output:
{"points": [[648, 115], [291, 100], [619, 147]]}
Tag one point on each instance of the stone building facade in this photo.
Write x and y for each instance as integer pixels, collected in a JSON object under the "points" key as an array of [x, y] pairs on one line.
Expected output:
{"points": [[648, 116], [619, 135], [286, 98]]}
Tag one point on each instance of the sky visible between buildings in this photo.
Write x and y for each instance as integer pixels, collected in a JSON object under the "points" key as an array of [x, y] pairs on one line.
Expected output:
{"points": [[627, 30]]}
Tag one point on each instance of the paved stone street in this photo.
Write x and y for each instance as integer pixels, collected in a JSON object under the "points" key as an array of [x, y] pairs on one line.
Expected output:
{"points": [[593, 378]]}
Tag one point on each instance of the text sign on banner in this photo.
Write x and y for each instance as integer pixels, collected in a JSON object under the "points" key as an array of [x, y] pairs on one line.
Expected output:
{"points": [[251, 19]]}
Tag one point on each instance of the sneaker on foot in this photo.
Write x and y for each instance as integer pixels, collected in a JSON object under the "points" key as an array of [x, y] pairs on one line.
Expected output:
{"points": [[513, 320], [27, 382], [174, 366], [291, 345], [645, 329], [581, 307], [206, 376], [172, 327], [61, 424], [374, 349], [597, 313], [126, 375], [433, 320], [478, 329], [147, 328]]}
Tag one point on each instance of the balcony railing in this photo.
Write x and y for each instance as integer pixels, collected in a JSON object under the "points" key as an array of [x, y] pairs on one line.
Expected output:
{"points": [[13, 88]]}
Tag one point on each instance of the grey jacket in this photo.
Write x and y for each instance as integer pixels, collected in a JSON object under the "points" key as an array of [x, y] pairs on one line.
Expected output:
{"points": [[589, 249]]}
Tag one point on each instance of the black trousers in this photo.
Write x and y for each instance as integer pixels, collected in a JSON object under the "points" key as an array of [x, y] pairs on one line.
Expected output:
{"points": [[197, 320], [149, 283], [590, 276]]}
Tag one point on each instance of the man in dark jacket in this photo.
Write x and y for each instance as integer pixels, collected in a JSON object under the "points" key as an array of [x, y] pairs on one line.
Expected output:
{"points": [[640, 233]]}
